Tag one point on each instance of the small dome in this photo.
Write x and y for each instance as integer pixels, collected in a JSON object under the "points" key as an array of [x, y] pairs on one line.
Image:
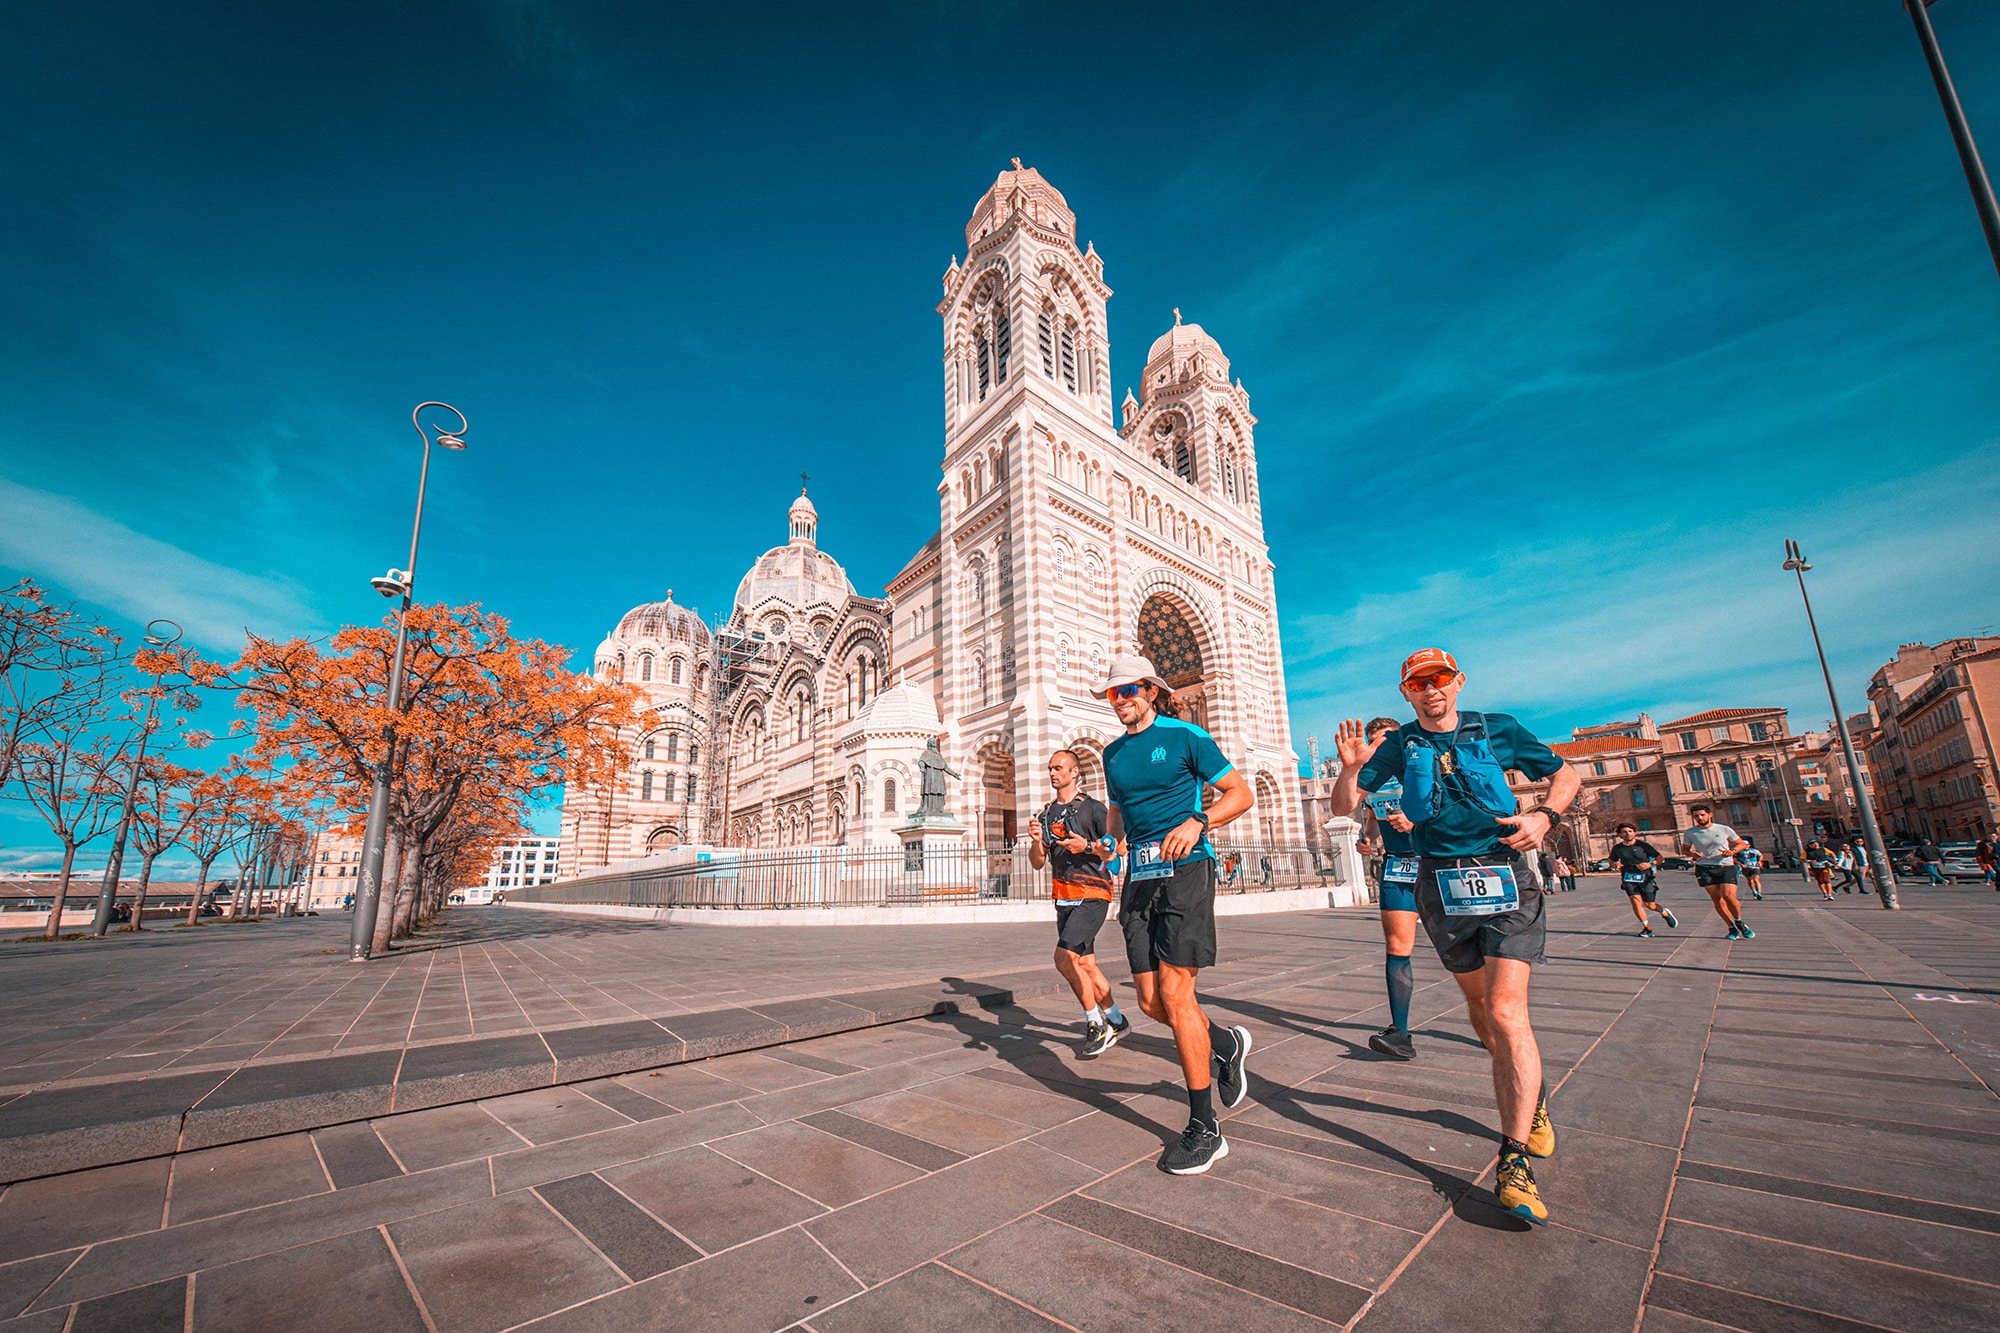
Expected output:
{"points": [[796, 575], [664, 621], [901, 708], [1041, 201], [1174, 348]]}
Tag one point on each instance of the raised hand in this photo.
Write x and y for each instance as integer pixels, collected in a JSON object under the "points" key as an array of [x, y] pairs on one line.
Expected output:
{"points": [[1352, 743]]}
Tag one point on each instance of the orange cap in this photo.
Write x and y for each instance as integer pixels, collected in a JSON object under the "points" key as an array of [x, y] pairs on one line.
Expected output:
{"points": [[1428, 661]]}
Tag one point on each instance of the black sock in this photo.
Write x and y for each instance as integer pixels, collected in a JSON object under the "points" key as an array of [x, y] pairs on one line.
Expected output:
{"points": [[1201, 1103], [1221, 1042], [1509, 1148], [1402, 979]]}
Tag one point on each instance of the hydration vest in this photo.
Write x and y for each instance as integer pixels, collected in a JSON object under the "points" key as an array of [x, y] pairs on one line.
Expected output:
{"points": [[1477, 769]]}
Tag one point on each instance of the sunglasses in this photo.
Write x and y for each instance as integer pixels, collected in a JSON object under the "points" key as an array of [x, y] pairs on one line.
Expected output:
{"points": [[1434, 681], [1125, 691]]}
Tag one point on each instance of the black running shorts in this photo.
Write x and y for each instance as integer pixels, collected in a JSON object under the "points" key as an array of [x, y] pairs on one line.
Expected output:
{"points": [[1709, 876], [1171, 920], [1648, 891], [1077, 924], [1464, 943]]}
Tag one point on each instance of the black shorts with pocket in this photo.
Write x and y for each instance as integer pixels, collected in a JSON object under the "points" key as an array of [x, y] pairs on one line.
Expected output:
{"points": [[1170, 920], [1077, 924], [1648, 890], [1710, 876], [1464, 943]]}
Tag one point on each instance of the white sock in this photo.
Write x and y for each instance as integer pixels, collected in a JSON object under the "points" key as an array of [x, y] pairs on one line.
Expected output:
{"points": [[1094, 1015]]}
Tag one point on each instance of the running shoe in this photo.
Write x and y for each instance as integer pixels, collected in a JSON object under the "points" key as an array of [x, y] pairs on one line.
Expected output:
{"points": [[1732, 933], [1758, 894], [1744, 932], [1667, 915], [1200, 1147], [1232, 1085], [1393, 1041], [1645, 932], [1099, 1039], [1516, 1188], [1541, 1135], [1121, 1028]]}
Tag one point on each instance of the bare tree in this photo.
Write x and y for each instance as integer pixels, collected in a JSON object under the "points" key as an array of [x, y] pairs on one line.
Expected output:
{"points": [[218, 804], [160, 818], [70, 776], [53, 663]]}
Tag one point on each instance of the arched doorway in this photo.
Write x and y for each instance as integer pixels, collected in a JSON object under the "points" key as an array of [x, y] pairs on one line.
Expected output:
{"points": [[661, 839], [997, 821], [1268, 814], [1167, 638], [1089, 766]]}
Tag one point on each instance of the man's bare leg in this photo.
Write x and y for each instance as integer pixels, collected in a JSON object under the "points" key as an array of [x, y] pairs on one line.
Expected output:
{"points": [[1496, 998], [1167, 996]]}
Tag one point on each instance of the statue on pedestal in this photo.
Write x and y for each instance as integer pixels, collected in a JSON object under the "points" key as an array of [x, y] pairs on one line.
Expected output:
{"points": [[934, 772]]}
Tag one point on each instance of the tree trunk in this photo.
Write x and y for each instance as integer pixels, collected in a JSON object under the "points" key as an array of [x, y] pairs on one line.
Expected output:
{"points": [[139, 897], [385, 909], [62, 893], [406, 891], [200, 883]]}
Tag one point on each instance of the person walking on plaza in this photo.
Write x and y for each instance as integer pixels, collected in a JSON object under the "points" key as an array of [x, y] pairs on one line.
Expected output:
{"points": [[1843, 861], [1396, 898], [1713, 847], [1819, 861], [1928, 857], [1566, 873], [1473, 846], [1154, 775], [1752, 862], [1635, 861], [1067, 836], [1982, 851]]}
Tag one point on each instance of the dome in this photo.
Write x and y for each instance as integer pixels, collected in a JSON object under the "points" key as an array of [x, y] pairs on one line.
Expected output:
{"points": [[664, 621], [1174, 348], [797, 574], [901, 708], [1041, 201]]}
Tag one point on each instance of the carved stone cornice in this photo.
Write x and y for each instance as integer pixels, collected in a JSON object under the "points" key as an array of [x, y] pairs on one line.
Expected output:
{"points": [[978, 523]]}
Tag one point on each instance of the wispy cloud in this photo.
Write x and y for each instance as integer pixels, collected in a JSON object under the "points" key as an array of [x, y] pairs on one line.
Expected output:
{"points": [[53, 538]]}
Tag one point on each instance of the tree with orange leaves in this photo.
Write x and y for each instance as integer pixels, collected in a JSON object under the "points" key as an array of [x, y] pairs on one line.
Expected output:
{"points": [[489, 722], [161, 814]]}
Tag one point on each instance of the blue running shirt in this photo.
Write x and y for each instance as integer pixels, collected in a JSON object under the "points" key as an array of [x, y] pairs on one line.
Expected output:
{"points": [[1154, 778]]}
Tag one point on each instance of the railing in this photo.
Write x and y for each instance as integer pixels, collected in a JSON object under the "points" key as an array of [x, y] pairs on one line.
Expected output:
{"points": [[810, 877]]}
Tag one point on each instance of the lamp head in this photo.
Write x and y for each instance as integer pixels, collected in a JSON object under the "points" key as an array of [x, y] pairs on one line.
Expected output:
{"points": [[396, 583], [451, 441]]}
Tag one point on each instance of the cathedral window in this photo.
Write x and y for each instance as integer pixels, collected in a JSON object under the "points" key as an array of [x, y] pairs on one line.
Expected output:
{"points": [[979, 586], [1062, 560], [1069, 359], [1003, 345], [649, 747], [982, 681], [1183, 460], [646, 786], [694, 757], [701, 677], [888, 796], [1229, 474], [1045, 335], [1062, 658], [673, 748], [982, 360], [690, 788], [674, 672], [645, 666]]}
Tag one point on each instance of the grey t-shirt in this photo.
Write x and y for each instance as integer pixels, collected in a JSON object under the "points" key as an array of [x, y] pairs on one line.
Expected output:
{"points": [[1711, 844]]}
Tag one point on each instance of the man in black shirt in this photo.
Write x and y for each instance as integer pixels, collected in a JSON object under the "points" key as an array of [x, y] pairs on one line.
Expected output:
{"points": [[1634, 861], [1067, 836]]}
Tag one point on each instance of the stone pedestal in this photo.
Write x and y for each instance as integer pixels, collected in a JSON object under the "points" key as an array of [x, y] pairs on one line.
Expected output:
{"points": [[936, 861], [1351, 886]]}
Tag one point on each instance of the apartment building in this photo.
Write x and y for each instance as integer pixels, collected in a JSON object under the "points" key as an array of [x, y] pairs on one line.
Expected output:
{"points": [[1932, 745], [517, 863], [1740, 761]]}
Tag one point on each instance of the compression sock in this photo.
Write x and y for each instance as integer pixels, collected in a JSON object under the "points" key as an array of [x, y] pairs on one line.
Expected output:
{"points": [[1094, 1016], [1201, 1104], [1111, 1014], [1402, 982], [1221, 1042]]}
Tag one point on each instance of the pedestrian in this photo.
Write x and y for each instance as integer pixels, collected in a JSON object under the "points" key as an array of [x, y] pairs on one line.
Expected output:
{"points": [[1982, 851], [1069, 835], [1474, 848], [1752, 862], [1154, 775], [1566, 873], [1843, 861], [1396, 904], [1545, 869], [1713, 847], [1635, 861], [1820, 862], [1928, 857]]}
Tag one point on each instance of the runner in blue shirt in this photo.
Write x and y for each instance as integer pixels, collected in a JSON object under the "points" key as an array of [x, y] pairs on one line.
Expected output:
{"points": [[1154, 776], [1396, 898], [1471, 840]]}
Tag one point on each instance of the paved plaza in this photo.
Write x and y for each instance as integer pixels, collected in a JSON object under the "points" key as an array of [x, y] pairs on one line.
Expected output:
{"points": [[1797, 1132]]}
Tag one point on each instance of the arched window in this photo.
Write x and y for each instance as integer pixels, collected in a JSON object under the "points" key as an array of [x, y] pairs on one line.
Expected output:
{"points": [[982, 680], [982, 359], [888, 796], [667, 789], [802, 715], [646, 786], [1069, 359], [701, 677], [1062, 560], [674, 672], [1062, 658], [979, 586], [690, 794], [673, 748], [1045, 335], [694, 753], [1003, 345], [649, 747], [645, 666], [1183, 460]]}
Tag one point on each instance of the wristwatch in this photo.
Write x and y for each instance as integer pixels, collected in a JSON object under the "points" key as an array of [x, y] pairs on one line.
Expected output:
{"points": [[1202, 815], [1554, 816]]}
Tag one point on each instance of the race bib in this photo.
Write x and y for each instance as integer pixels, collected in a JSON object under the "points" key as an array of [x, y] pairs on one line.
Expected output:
{"points": [[1478, 890], [1147, 862], [1399, 870], [1635, 877]]}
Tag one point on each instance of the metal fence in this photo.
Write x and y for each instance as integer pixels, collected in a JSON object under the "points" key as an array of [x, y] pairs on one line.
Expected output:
{"points": [[810, 877]]}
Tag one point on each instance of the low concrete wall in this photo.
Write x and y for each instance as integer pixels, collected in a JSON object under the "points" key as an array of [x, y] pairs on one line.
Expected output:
{"points": [[968, 914]]}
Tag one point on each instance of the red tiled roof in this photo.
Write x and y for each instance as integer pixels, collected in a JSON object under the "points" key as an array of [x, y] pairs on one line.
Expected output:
{"points": [[1720, 715], [1601, 745]]}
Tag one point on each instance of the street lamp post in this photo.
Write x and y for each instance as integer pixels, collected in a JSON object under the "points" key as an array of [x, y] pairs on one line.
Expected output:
{"points": [[1961, 133], [107, 894], [1878, 856], [368, 893], [1791, 815]]}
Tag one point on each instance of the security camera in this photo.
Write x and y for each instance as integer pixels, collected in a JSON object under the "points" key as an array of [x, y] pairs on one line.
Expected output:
{"points": [[393, 584]]}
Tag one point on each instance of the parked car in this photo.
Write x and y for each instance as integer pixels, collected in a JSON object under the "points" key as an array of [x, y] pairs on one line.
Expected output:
{"points": [[1675, 863], [1597, 867], [1959, 862]]}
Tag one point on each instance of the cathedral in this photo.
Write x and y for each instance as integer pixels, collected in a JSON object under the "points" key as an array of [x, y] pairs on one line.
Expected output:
{"points": [[1064, 538]]}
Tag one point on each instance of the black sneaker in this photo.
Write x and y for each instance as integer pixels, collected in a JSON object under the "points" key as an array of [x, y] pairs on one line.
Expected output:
{"points": [[1201, 1146], [1645, 932], [1099, 1039], [1732, 933], [1744, 932], [1121, 1027], [1667, 915], [1758, 894], [1231, 1086], [1393, 1041]]}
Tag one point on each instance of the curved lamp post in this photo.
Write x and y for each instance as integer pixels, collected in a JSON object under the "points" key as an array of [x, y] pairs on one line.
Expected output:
{"points": [[107, 894], [1878, 856], [368, 894]]}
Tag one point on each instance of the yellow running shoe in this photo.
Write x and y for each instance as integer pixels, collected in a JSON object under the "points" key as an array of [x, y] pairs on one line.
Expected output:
{"points": [[1541, 1135], [1516, 1188]]}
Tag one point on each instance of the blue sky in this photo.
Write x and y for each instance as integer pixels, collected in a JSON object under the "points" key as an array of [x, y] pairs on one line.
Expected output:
{"points": [[1557, 318]]}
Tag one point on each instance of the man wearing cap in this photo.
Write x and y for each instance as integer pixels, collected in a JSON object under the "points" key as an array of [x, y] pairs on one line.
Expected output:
{"points": [[1471, 877], [1396, 899], [1154, 776]]}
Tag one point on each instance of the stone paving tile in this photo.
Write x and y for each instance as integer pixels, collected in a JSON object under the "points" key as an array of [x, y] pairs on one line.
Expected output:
{"points": [[354, 1155], [826, 1168], [353, 1281], [548, 1114], [771, 1283], [444, 1134], [214, 1181], [1950, 1250], [25, 1279], [710, 1199], [159, 1308], [637, 1243], [923, 1300], [56, 1212], [498, 1262]]}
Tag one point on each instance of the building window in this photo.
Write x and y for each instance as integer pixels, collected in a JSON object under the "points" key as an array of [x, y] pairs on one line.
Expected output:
{"points": [[1003, 345], [1721, 733], [1604, 800], [888, 796], [1645, 826], [1183, 460], [1062, 560], [673, 748], [1062, 658], [1771, 812], [694, 752], [690, 790], [1638, 798], [1045, 336], [1688, 742], [1598, 768], [666, 786], [1766, 771], [982, 358], [1760, 731], [646, 787], [1730, 780], [649, 747], [1069, 360], [1738, 814], [674, 672], [1631, 765], [645, 666], [1696, 779]]}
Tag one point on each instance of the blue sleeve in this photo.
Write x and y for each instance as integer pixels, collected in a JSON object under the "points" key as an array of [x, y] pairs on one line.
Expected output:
{"points": [[1384, 764], [1515, 748], [1206, 757]]}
